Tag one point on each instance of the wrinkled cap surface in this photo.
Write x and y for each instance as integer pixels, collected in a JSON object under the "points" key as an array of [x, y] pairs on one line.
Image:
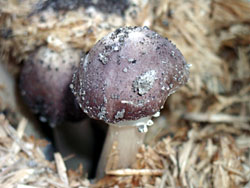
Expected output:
{"points": [[44, 84], [128, 75]]}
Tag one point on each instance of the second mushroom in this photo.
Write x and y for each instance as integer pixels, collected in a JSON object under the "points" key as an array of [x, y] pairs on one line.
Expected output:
{"points": [[124, 80]]}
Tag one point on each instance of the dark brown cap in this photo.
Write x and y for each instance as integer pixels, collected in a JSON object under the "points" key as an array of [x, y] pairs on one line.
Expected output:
{"points": [[128, 75], [44, 84]]}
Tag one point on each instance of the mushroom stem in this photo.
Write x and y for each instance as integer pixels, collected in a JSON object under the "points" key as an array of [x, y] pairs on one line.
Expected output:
{"points": [[120, 148]]}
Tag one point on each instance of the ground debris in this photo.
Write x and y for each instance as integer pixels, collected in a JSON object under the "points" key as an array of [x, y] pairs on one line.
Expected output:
{"points": [[22, 163]]}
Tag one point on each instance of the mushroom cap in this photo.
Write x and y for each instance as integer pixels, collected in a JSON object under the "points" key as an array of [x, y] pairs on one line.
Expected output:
{"points": [[128, 75], [44, 84]]}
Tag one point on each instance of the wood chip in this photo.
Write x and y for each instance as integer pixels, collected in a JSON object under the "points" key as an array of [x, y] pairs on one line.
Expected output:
{"points": [[61, 168], [20, 131], [215, 118], [132, 172]]}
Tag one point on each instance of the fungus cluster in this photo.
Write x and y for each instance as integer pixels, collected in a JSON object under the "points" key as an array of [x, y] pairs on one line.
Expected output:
{"points": [[124, 80]]}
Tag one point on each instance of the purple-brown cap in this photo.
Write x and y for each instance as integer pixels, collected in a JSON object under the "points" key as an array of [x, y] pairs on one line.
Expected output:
{"points": [[128, 75], [44, 84]]}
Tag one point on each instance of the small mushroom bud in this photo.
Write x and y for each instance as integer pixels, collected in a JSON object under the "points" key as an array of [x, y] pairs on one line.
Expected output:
{"points": [[44, 84], [124, 80]]}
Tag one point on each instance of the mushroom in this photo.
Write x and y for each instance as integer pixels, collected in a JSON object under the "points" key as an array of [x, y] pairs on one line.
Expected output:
{"points": [[124, 80], [44, 84]]}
